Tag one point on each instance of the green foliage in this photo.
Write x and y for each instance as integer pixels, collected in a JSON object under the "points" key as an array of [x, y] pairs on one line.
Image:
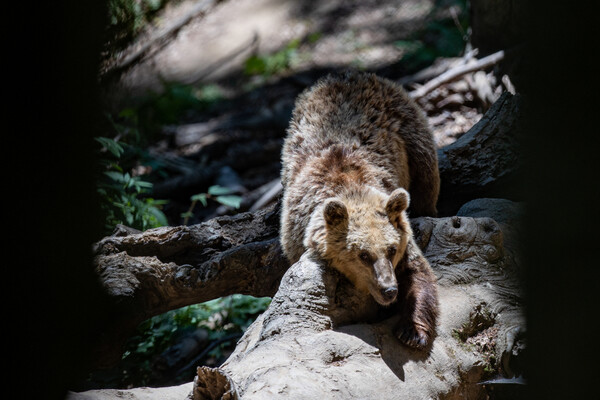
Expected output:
{"points": [[217, 193], [273, 64], [314, 37], [444, 37], [167, 107], [121, 193], [124, 196], [220, 317]]}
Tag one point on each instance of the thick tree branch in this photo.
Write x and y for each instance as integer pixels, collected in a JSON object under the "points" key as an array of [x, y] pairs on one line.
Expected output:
{"points": [[162, 269], [335, 339], [340, 344]]}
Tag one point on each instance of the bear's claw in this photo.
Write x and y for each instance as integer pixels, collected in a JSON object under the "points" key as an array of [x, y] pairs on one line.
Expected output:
{"points": [[413, 337]]}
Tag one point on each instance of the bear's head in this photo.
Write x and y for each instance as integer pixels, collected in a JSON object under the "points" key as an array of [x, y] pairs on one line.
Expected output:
{"points": [[363, 234]]}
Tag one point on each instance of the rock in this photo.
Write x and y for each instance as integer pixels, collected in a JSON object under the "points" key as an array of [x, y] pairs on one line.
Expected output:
{"points": [[500, 210]]}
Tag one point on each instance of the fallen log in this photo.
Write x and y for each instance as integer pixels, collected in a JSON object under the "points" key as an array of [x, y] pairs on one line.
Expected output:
{"points": [[322, 339], [162, 269], [486, 161]]}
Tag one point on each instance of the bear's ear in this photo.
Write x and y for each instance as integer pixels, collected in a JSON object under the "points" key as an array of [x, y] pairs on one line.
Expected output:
{"points": [[397, 202], [335, 212]]}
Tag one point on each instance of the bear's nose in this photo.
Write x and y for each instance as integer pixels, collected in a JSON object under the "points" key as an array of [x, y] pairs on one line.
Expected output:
{"points": [[389, 293]]}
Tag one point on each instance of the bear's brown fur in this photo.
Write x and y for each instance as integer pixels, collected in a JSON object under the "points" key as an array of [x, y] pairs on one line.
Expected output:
{"points": [[355, 145]]}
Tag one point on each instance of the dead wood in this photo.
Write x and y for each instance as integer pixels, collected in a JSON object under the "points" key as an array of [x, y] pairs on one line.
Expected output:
{"points": [[162, 269], [457, 72], [439, 66], [485, 161], [320, 338]]}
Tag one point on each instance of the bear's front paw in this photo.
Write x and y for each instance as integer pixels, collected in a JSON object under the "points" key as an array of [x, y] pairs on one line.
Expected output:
{"points": [[413, 337]]}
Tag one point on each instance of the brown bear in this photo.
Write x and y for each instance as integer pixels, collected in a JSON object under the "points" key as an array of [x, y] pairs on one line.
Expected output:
{"points": [[357, 145]]}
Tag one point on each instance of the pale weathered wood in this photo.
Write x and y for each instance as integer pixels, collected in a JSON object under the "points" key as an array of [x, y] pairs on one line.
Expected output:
{"points": [[162, 269], [322, 339], [457, 72]]}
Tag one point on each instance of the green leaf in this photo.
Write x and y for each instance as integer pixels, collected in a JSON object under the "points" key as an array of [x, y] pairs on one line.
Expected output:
{"points": [[153, 4], [314, 37], [231, 201], [115, 176], [115, 148], [128, 113], [217, 190], [201, 197], [144, 184], [255, 66], [161, 218]]}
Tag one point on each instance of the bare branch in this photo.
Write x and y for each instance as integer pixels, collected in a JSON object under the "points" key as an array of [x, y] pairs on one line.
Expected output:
{"points": [[457, 72]]}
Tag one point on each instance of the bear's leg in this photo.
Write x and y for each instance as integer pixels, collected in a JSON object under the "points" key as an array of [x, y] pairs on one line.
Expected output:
{"points": [[424, 176], [419, 305]]}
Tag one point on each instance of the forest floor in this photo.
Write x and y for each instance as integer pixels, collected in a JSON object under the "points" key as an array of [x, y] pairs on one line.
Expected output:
{"points": [[245, 62], [216, 95]]}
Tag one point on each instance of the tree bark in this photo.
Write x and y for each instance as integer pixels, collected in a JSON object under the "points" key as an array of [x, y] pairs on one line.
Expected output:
{"points": [[162, 269], [485, 161], [320, 338]]}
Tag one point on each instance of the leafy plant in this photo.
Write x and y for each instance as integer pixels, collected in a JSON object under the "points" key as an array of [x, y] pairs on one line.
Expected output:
{"points": [[121, 193], [275, 63], [220, 317], [442, 37], [217, 193]]}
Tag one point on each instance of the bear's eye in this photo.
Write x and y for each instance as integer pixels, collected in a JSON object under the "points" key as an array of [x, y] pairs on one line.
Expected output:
{"points": [[391, 251], [364, 256]]}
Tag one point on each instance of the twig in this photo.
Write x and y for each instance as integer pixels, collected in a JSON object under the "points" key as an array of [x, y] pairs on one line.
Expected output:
{"points": [[438, 68], [274, 190], [456, 72]]}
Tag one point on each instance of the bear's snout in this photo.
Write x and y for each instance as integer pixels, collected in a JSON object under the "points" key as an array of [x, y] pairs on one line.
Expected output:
{"points": [[389, 294], [384, 286]]}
